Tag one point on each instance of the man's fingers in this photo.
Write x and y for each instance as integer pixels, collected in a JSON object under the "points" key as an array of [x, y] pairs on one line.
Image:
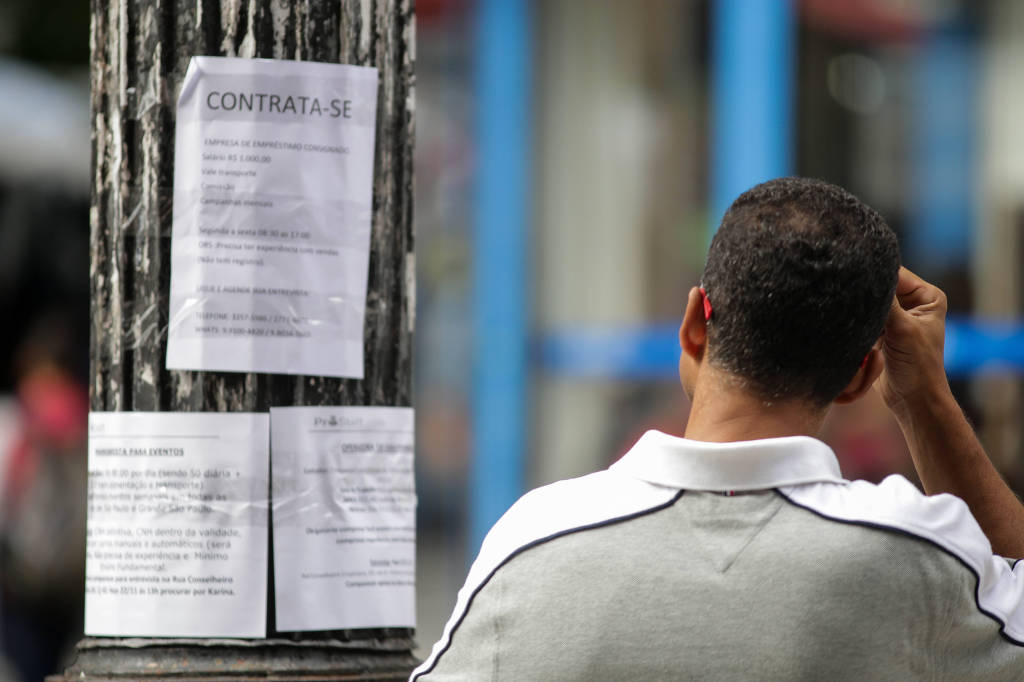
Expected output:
{"points": [[907, 280], [911, 290], [895, 311], [898, 315], [914, 292], [897, 326]]}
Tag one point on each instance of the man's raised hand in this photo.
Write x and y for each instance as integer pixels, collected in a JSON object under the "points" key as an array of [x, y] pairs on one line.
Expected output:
{"points": [[946, 453], [912, 345]]}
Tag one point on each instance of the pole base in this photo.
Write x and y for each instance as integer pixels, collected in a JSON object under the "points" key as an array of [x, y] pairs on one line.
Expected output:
{"points": [[108, 658]]}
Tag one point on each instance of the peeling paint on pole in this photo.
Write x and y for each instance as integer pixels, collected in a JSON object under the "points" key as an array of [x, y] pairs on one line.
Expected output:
{"points": [[140, 52]]}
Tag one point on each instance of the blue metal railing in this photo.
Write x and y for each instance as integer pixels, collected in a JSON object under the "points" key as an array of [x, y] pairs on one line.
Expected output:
{"points": [[652, 353]]}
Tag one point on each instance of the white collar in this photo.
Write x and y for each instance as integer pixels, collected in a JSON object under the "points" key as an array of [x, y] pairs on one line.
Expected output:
{"points": [[745, 465]]}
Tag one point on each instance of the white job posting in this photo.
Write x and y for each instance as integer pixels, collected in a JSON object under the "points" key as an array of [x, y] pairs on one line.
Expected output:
{"points": [[273, 194], [177, 528], [344, 517]]}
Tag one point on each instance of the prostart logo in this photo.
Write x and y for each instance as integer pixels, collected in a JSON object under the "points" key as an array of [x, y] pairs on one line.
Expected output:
{"points": [[325, 421], [334, 422]]}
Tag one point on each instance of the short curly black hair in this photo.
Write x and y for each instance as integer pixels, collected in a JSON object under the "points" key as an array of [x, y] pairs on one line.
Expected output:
{"points": [[801, 275]]}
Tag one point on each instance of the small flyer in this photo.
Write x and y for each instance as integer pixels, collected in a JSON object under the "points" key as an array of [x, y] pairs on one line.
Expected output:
{"points": [[273, 198], [344, 517], [176, 540]]}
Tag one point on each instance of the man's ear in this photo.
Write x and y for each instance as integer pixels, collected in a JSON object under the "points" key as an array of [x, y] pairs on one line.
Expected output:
{"points": [[693, 332], [863, 379]]}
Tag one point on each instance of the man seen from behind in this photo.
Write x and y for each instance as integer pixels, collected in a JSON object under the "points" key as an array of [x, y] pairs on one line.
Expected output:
{"points": [[739, 551]]}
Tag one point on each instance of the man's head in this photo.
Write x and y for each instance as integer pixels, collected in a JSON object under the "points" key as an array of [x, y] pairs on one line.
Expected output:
{"points": [[801, 275]]}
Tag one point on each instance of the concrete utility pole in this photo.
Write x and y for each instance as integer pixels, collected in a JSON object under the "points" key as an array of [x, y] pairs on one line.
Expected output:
{"points": [[140, 51]]}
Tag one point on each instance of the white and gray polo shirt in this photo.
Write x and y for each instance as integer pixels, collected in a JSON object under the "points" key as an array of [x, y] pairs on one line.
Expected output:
{"points": [[751, 560]]}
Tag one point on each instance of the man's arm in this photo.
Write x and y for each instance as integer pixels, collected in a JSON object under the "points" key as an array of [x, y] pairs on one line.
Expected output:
{"points": [[945, 450]]}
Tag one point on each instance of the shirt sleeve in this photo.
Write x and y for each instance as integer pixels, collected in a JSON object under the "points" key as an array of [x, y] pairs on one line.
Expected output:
{"points": [[972, 644], [979, 633], [473, 654]]}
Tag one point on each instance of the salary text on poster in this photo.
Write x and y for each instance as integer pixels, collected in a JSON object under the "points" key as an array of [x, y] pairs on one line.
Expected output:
{"points": [[273, 193]]}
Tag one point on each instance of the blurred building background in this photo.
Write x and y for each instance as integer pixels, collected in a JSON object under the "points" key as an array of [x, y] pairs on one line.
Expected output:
{"points": [[573, 157], [580, 153]]}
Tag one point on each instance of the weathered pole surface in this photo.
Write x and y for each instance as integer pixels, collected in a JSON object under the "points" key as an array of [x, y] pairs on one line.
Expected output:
{"points": [[140, 51]]}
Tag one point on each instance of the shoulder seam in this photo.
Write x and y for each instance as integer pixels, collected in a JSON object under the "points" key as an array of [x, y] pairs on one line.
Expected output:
{"points": [[913, 536], [530, 545]]}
